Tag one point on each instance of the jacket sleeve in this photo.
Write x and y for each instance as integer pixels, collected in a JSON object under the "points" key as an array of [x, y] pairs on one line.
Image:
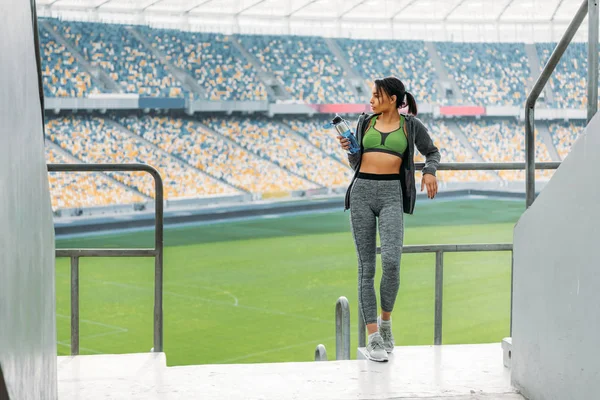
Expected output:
{"points": [[353, 159], [426, 147]]}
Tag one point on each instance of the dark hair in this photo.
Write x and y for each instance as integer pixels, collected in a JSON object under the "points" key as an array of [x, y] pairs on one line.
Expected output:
{"points": [[394, 86]]}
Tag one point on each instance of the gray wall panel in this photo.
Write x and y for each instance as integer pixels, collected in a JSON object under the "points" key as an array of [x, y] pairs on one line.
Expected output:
{"points": [[27, 302], [556, 317]]}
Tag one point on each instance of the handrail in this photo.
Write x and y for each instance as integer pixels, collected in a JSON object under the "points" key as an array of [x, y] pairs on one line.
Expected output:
{"points": [[439, 250], [592, 88], [489, 166], [342, 329], [535, 94], [156, 252]]}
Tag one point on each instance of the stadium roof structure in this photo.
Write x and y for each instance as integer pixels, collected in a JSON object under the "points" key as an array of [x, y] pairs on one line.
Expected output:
{"points": [[459, 20]]}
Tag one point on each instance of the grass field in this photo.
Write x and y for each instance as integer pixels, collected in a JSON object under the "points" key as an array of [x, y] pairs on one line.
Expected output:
{"points": [[264, 290]]}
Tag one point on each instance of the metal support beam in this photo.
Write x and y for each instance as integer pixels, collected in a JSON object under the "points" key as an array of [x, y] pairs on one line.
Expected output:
{"points": [[350, 9], [592, 81], [402, 8], [302, 7], [251, 6], [194, 6], [556, 10], [449, 13]]}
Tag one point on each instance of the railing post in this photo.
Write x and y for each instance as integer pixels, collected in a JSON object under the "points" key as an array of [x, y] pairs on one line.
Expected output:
{"points": [[342, 329], [320, 353], [362, 328], [592, 87], [439, 292], [74, 306], [158, 264]]}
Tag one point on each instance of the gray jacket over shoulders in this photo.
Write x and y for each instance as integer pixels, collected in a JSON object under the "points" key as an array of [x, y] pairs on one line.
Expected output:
{"points": [[418, 136]]}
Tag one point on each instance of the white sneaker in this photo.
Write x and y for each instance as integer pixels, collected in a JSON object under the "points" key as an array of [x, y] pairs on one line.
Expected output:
{"points": [[375, 350], [386, 335]]}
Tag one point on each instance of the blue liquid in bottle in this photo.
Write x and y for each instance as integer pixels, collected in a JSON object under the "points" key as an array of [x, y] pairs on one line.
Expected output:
{"points": [[343, 128]]}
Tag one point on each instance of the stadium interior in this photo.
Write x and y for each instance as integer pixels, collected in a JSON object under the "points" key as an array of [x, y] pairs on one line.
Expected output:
{"points": [[224, 154], [173, 193]]}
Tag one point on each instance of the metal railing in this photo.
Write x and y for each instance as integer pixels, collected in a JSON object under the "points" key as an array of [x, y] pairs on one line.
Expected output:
{"points": [[156, 252], [592, 89], [342, 329], [439, 250], [454, 248], [320, 353]]}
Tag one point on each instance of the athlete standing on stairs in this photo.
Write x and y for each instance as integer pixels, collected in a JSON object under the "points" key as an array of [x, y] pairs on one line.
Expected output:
{"points": [[381, 191]]}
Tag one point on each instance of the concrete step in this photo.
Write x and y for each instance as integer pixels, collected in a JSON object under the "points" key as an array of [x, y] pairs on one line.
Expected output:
{"points": [[413, 372]]}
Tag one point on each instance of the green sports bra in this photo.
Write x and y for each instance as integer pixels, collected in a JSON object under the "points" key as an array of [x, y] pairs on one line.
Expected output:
{"points": [[391, 142]]}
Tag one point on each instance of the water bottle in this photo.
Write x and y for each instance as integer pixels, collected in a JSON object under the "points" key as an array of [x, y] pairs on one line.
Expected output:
{"points": [[343, 128]]}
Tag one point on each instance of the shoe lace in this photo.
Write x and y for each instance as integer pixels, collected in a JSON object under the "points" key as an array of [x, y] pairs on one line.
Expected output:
{"points": [[377, 344]]}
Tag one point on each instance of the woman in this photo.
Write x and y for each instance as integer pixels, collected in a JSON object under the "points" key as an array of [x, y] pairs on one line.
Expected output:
{"points": [[383, 187]]}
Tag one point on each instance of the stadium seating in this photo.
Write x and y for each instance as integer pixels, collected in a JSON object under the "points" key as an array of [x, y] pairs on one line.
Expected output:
{"points": [[94, 140], [212, 60], [488, 73], [503, 140], [113, 48], [271, 140], [569, 80], [451, 150], [215, 155], [325, 139], [564, 135], [305, 66], [84, 189], [62, 76], [406, 60]]}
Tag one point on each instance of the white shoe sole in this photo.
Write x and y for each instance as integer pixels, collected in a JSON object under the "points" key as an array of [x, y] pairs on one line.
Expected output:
{"points": [[376, 359]]}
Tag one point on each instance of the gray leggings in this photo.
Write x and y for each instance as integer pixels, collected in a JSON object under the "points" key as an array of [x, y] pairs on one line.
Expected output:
{"points": [[378, 196]]}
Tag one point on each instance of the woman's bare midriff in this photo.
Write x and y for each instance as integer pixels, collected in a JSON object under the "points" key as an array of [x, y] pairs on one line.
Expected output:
{"points": [[380, 163]]}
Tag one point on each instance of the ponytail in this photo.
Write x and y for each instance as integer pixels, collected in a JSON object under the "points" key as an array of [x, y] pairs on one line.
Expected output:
{"points": [[412, 104], [393, 86]]}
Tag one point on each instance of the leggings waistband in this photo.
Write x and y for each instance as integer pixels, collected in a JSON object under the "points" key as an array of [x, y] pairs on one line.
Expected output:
{"points": [[379, 177]]}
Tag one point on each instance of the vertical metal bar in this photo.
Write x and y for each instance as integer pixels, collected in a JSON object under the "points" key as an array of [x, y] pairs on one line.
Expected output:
{"points": [[362, 329], [530, 158], [512, 274], [439, 293], [592, 88], [74, 305], [342, 329], [158, 264], [535, 93], [320, 353]]}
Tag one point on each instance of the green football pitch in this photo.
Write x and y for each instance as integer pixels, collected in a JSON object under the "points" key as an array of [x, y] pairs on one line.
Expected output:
{"points": [[264, 290]]}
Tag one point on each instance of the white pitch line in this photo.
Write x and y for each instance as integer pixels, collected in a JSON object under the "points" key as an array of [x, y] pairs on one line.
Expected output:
{"points": [[219, 291], [68, 344], [275, 350], [89, 321], [190, 297]]}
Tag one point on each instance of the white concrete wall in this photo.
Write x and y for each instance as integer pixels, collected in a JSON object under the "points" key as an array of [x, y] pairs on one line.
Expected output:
{"points": [[556, 309], [27, 302]]}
